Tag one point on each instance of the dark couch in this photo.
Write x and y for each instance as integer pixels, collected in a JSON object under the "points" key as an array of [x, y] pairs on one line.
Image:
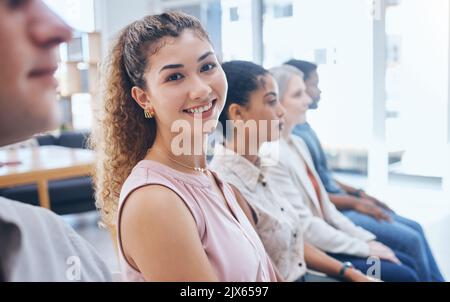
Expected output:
{"points": [[67, 196]]}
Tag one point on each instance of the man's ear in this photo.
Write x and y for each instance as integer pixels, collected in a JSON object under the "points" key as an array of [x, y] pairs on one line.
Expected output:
{"points": [[236, 112], [140, 96]]}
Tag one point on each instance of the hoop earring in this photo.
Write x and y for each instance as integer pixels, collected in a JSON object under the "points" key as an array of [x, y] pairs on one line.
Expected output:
{"points": [[149, 113]]}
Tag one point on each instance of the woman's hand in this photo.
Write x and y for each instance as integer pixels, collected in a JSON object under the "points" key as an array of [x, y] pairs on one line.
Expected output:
{"points": [[354, 275], [377, 202], [381, 251], [368, 207]]}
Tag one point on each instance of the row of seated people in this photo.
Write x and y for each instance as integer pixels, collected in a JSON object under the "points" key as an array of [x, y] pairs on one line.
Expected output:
{"points": [[260, 168], [258, 212]]}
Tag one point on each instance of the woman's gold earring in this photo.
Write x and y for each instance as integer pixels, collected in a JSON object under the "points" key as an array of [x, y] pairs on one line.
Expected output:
{"points": [[149, 113]]}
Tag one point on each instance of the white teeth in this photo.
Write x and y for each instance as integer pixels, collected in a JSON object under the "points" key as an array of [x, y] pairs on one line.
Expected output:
{"points": [[201, 109]]}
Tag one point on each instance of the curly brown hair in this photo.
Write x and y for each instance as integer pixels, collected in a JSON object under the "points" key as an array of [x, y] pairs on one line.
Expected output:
{"points": [[122, 136]]}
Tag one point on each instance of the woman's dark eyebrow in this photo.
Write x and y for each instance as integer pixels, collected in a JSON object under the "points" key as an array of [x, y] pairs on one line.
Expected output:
{"points": [[205, 56], [171, 66], [175, 66]]}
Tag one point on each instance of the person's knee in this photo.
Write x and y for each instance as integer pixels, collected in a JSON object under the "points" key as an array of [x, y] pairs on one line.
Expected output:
{"points": [[405, 274], [410, 275], [416, 226], [391, 272], [407, 241], [415, 239], [412, 224]]}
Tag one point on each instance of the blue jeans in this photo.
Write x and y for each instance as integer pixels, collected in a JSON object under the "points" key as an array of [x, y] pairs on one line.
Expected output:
{"points": [[389, 271], [308, 277], [403, 235]]}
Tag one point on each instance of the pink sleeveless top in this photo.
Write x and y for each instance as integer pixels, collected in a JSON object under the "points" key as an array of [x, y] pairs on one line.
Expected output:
{"points": [[232, 246]]}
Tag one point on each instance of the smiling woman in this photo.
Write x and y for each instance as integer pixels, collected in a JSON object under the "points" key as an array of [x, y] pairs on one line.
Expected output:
{"points": [[167, 209]]}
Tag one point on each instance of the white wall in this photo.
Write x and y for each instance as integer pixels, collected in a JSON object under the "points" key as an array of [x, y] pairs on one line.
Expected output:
{"points": [[237, 36]]}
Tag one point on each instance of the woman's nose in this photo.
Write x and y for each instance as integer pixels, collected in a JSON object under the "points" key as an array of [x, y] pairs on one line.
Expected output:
{"points": [[200, 90], [281, 110]]}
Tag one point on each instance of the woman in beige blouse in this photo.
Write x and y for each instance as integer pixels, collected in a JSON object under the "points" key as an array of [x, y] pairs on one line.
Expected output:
{"points": [[252, 97]]}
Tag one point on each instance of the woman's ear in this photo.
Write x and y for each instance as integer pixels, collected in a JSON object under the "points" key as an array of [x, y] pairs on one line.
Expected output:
{"points": [[140, 96], [235, 112]]}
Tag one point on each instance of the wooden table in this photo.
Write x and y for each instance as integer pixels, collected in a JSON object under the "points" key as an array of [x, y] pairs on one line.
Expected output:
{"points": [[41, 164]]}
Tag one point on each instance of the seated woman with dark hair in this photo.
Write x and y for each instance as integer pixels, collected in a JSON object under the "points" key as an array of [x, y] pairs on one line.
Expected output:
{"points": [[163, 71], [251, 103]]}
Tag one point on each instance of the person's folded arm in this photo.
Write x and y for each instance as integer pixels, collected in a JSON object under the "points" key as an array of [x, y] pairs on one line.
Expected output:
{"points": [[329, 239], [341, 222], [317, 231], [343, 201], [321, 262], [365, 203], [347, 188], [160, 237]]}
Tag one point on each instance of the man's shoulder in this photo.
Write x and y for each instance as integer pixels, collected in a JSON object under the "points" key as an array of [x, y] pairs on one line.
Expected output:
{"points": [[15, 211], [37, 224], [45, 243]]}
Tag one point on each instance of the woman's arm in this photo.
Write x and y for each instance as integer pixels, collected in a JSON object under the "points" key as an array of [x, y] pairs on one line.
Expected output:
{"points": [[160, 237], [344, 201], [252, 217], [347, 188], [321, 262]]}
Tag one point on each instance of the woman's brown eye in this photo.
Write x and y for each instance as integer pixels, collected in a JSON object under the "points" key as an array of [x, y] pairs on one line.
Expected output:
{"points": [[174, 77], [208, 67]]}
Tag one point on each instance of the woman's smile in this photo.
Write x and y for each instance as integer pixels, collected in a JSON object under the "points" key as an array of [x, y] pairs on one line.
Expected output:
{"points": [[203, 111]]}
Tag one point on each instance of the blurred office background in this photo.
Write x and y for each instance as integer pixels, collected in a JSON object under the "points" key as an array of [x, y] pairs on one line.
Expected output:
{"points": [[384, 72]]}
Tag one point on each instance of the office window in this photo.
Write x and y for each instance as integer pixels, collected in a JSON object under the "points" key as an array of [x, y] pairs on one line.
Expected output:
{"points": [[337, 35], [77, 13], [417, 35], [280, 9], [237, 30], [76, 107], [234, 14]]}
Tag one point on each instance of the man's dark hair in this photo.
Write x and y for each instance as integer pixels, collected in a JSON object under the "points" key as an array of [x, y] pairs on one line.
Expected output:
{"points": [[306, 67]]}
